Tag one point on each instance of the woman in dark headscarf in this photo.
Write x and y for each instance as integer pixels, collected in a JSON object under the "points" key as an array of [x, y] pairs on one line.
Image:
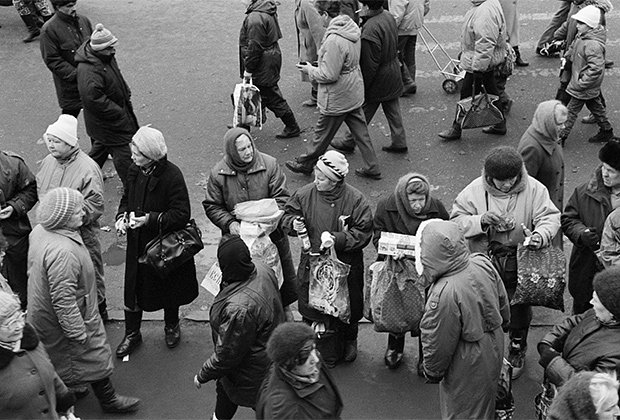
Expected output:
{"points": [[402, 212], [246, 174]]}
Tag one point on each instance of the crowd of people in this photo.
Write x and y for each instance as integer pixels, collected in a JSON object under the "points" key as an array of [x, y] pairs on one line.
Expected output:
{"points": [[52, 284]]}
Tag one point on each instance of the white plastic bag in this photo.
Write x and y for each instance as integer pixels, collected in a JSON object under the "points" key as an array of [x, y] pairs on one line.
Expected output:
{"points": [[247, 103]]}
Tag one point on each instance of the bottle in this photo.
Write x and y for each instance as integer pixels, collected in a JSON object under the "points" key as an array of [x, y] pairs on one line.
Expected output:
{"points": [[305, 240]]}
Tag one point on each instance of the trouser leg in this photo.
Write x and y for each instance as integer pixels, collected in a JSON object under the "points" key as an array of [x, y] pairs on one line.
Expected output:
{"points": [[171, 316], [15, 268], [597, 108], [133, 321], [98, 152], [326, 128], [574, 106], [271, 98], [90, 237], [224, 408], [391, 109], [556, 21], [409, 55], [357, 125], [396, 342], [73, 111], [369, 109], [121, 158]]}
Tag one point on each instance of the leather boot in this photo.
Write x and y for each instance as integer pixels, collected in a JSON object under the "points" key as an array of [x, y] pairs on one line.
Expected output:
{"points": [[453, 133], [350, 351], [291, 128], [173, 335], [110, 401], [132, 338], [499, 129], [394, 353], [33, 29], [519, 61]]}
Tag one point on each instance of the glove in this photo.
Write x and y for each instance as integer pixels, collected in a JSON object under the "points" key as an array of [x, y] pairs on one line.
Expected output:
{"points": [[590, 238], [298, 224], [547, 354]]}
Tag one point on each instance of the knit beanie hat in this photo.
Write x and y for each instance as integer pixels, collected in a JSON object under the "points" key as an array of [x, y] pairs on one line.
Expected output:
{"points": [[503, 162], [590, 15], [334, 165], [574, 401], [9, 304], [233, 257], [286, 342], [57, 206], [607, 287], [102, 38], [610, 153], [65, 128], [150, 142]]}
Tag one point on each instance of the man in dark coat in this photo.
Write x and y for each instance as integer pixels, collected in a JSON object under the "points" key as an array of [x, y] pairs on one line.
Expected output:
{"points": [[106, 98], [61, 36], [260, 59], [243, 315], [583, 220], [18, 194], [381, 72]]}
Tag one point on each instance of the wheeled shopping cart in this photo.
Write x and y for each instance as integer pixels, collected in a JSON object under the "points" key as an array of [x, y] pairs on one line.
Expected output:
{"points": [[448, 66]]}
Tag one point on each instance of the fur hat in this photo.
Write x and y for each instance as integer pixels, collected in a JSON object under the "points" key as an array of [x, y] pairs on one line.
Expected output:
{"points": [[57, 206], [607, 287], [590, 15], [102, 38], [286, 341], [610, 153], [150, 142], [65, 128], [574, 401], [503, 162], [334, 165]]}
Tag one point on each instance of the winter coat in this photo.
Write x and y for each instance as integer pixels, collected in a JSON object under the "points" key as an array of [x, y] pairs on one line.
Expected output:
{"points": [[29, 386], [62, 306], [511, 17], [461, 330], [532, 207], [585, 344], [379, 58], [310, 30], [18, 188], [243, 316], [542, 155], [587, 53], [483, 36], [61, 36], [409, 15], [338, 72], [162, 195], [281, 399], [346, 214], [587, 208], [106, 98], [259, 51], [610, 240]]}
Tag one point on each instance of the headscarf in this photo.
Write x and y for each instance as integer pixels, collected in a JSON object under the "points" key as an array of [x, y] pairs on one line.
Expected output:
{"points": [[402, 201], [230, 148], [234, 259], [150, 142], [57, 206], [544, 122]]}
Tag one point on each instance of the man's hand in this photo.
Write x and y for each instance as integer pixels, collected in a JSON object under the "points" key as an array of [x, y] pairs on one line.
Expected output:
{"points": [[490, 218], [6, 212]]}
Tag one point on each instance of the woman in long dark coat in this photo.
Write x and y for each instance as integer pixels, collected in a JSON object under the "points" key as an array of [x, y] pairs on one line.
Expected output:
{"points": [[156, 194]]}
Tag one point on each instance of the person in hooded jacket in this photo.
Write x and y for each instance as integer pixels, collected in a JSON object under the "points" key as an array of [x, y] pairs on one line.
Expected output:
{"points": [[542, 154], [483, 48], [496, 211], [245, 312], [340, 98], [260, 59], [65, 32], [246, 174], [402, 212], [583, 220], [106, 98], [462, 337]]}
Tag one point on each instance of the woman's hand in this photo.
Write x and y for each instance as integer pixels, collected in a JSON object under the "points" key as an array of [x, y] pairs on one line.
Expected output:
{"points": [[298, 225], [303, 67], [490, 218], [136, 222], [234, 228], [121, 225]]}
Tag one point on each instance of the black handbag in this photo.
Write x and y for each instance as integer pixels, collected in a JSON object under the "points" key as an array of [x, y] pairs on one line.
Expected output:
{"points": [[169, 251], [478, 110]]}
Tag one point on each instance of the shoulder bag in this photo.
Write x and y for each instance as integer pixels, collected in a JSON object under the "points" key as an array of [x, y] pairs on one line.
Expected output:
{"points": [[478, 110]]}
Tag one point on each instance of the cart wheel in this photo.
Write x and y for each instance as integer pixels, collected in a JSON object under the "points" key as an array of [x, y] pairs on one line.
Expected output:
{"points": [[450, 86]]}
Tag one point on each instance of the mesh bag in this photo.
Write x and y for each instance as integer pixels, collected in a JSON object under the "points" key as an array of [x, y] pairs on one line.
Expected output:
{"points": [[329, 290]]}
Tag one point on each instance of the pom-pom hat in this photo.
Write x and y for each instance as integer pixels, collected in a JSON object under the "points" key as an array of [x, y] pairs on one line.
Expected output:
{"points": [[102, 38]]}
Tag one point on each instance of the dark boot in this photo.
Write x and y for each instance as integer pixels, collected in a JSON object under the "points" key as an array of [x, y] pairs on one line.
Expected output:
{"points": [[291, 128], [350, 351], [132, 338], [394, 353], [110, 401], [453, 133], [409, 86], [519, 61], [33, 29], [173, 335], [603, 136], [499, 129]]}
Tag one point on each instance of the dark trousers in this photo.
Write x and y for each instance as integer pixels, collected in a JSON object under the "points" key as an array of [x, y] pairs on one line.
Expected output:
{"points": [[133, 319], [406, 52], [121, 157], [487, 80], [391, 109], [74, 112], [326, 128], [15, 268], [596, 107], [224, 408], [556, 21], [271, 98]]}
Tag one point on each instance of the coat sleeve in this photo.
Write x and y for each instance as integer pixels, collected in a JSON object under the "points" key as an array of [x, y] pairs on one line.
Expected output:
{"points": [[440, 327], [178, 209], [214, 205], [466, 214], [330, 63], [398, 9], [610, 240], [591, 74], [92, 190], [379, 223], [25, 196], [92, 93], [53, 58], [254, 52], [277, 186], [236, 334], [359, 232], [280, 405], [572, 225], [557, 336], [370, 60], [545, 215], [292, 210], [63, 271], [531, 159]]}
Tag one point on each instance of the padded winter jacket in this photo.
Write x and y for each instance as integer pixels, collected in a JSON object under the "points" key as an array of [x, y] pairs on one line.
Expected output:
{"points": [[483, 36], [19, 190], [409, 15], [587, 54]]}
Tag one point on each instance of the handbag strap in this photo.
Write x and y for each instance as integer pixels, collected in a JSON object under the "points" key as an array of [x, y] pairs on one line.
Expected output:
{"points": [[159, 232]]}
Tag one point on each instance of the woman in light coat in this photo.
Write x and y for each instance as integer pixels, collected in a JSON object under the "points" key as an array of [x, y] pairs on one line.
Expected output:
{"points": [[310, 30], [62, 304]]}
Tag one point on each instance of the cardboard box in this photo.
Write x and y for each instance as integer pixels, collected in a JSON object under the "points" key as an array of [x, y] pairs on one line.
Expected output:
{"points": [[392, 243]]}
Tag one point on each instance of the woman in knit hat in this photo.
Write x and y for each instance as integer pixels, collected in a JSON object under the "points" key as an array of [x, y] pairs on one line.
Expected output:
{"points": [[587, 395], [245, 174], [402, 212], [588, 341], [334, 214], [298, 385], [155, 198], [62, 304], [496, 211], [583, 221], [29, 385]]}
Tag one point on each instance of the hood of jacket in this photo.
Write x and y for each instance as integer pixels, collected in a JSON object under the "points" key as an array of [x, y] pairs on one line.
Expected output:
{"points": [[443, 249], [263, 6], [85, 54], [543, 125], [344, 27], [596, 34]]}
